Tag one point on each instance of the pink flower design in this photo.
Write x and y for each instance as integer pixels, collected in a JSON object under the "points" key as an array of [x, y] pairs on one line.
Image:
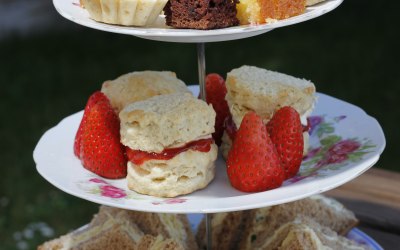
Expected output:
{"points": [[97, 180], [339, 118], [344, 147], [112, 192], [175, 201], [311, 153], [170, 201], [314, 121], [335, 158]]}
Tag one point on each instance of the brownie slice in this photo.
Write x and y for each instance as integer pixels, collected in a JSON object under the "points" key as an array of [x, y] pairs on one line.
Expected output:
{"points": [[201, 14]]}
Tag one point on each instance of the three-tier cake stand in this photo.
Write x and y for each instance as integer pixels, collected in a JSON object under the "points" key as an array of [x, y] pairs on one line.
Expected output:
{"points": [[335, 125]]}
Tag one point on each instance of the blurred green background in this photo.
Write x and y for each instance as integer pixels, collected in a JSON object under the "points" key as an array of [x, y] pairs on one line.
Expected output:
{"points": [[351, 53]]}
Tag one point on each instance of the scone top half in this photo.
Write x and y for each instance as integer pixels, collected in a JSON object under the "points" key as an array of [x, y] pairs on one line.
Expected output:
{"points": [[141, 85], [166, 121], [263, 91]]}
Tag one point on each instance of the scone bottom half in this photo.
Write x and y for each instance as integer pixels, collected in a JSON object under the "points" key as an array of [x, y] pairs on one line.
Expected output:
{"points": [[170, 148]]}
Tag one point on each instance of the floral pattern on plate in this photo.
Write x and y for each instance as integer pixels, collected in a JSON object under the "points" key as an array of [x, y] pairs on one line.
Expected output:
{"points": [[328, 150], [98, 186]]}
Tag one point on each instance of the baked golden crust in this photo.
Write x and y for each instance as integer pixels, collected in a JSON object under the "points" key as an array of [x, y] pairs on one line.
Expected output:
{"points": [[141, 85], [166, 121], [263, 91]]}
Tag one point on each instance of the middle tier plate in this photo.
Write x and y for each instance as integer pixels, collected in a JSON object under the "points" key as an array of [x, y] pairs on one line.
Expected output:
{"points": [[344, 142]]}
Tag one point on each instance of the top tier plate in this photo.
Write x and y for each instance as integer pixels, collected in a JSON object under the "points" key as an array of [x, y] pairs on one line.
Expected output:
{"points": [[344, 142], [71, 10]]}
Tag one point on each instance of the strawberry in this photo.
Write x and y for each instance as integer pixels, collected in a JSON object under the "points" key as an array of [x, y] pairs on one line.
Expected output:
{"points": [[286, 134], [93, 99], [253, 164], [101, 151], [215, 94]]}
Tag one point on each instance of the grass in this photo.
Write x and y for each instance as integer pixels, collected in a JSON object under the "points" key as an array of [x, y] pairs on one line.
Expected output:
{"points": [[351, 54]]}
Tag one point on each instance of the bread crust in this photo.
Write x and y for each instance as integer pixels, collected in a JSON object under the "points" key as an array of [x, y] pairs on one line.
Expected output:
{"points": [[185, 173], [166, 121], [141, 85]]}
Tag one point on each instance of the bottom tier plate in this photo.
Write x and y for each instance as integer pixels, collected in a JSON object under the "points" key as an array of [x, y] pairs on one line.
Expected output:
{"points": [[344, 142]]}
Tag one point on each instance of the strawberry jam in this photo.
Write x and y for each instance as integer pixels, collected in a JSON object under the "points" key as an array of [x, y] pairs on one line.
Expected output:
{"points": [[138, 156]]}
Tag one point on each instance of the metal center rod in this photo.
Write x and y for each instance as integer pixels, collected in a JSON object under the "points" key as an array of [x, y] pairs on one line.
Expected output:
{"points": [[201, 64], [208, 231]]}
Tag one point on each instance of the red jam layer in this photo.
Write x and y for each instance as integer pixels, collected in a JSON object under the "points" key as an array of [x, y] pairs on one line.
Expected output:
{"points": [[138, 157], [231, 129]]}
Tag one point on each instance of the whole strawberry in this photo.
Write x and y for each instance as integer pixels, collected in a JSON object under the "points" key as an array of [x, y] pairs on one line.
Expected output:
{"points": [[253, 163], [93, 99], [286, 133], [215, 94], [101, 151]]}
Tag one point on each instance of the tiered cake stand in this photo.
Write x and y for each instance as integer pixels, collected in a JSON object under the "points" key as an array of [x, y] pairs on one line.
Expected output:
{"points": [[344, 140]]}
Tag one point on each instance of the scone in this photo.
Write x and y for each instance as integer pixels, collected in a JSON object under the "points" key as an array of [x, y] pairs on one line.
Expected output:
{"points": [[124, 12], [141, 85], [266, 11], [254, 89], [170, 148]]}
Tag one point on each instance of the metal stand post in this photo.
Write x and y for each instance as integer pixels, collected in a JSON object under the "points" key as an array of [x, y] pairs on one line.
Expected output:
{"points": [[201, 64]]}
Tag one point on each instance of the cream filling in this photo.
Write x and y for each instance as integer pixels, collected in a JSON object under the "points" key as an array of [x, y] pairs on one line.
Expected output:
{"points": [[259, 220], [217, 219], [87, 234], [174, 227], [158, 243], [338, 207]]}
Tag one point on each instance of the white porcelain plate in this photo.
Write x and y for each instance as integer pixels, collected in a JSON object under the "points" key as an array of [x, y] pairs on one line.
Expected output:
{"points": [[72, 10], [344, 143]]}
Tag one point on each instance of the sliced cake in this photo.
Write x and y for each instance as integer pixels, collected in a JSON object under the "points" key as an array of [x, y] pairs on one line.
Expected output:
{"points": [[266, 11], [201, 14]]}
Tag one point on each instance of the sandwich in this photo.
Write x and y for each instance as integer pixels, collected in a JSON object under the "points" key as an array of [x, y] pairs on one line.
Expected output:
{"points": [[227, 229], [169, 144], [141, 85], [254, 89], [304, 233], [114, 228], [169, 226], [253, 227]]}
